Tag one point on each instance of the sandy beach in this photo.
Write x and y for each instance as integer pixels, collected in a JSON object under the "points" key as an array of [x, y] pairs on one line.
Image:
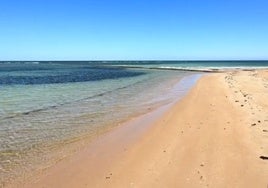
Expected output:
{"points": [[216, 136]]}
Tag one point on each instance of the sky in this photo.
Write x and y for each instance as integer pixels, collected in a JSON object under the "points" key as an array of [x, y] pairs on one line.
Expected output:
{"points": [[133, 29]]}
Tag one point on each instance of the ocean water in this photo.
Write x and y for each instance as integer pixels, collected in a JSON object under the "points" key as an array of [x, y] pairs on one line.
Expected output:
{"points": [[207, 66], [47, 107]]}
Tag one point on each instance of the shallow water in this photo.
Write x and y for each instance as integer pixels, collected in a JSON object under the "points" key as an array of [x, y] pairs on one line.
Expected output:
{"points": [[48, 110], [44, 108]]}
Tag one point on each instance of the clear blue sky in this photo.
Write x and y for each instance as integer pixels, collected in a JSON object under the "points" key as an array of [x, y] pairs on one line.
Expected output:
{"points": [[133, 29]]}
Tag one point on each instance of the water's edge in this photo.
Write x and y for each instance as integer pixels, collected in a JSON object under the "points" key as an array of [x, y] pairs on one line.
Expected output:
{"points": [[146, 119]]}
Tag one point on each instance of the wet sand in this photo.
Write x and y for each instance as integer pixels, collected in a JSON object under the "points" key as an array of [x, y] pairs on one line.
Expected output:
{"points": [[216, 136]]}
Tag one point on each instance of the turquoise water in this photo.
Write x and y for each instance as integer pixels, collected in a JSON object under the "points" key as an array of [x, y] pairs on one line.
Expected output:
{"points": [[45, 107]]}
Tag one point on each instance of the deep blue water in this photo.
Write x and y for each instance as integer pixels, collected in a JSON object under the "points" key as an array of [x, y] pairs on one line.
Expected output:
{"points": [[30, 74], [51, 72]]}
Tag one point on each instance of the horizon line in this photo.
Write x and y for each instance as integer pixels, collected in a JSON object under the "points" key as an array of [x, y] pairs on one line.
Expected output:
{"points": [[133, 60]]}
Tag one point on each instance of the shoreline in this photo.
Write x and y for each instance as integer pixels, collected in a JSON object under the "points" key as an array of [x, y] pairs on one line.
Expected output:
{"points": [[61, 131], [180, 89], [206, 139]]}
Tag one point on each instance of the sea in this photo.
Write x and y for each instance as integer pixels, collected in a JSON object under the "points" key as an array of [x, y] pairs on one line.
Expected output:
{"points": [[51, 109]]}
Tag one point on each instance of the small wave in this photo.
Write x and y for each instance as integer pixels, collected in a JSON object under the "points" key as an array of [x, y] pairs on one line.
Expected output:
{"points": [[29, 62], [33, 63], [208, 69], [195, 69]]}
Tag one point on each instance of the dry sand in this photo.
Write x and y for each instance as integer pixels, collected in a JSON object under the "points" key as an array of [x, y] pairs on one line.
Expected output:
{"points": [[213, 137]]}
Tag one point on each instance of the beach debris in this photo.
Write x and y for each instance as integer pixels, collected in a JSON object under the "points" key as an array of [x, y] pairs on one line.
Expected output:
{"points": [[259, 121], [237, 101], [242, 105], [264, 157], [253, 124], [202, 165], [265, 130]]}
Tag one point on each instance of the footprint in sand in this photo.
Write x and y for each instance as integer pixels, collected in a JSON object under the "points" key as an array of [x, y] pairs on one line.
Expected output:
{"points": [[108, 177]]}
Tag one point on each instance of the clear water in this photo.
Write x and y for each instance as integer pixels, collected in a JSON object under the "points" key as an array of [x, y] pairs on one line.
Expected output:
{"points": [[47, 106]]}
